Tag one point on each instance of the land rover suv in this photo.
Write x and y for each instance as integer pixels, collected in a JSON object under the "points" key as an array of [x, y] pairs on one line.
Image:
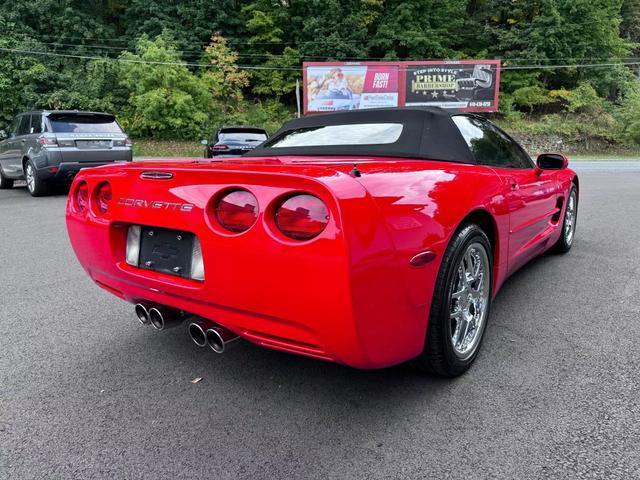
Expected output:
{"points": [[47, 147]]}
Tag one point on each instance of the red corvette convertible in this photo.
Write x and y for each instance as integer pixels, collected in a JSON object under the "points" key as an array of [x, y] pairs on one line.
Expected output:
{"points": [[368, 238]]}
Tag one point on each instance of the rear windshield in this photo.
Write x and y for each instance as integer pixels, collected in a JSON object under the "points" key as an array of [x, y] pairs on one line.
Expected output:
{"points": [[84, 124], [334, 135], [242, 135]]}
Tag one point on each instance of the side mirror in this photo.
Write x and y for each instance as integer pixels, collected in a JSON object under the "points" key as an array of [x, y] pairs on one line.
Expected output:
{"points": [[3, 135], [552, 161], [204, 142]]}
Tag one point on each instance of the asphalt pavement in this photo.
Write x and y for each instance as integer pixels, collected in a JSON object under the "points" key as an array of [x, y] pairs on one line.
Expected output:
{"points": [[86, 392]]}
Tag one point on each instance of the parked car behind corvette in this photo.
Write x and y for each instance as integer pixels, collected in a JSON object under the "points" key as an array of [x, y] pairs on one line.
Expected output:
{"points": [[233, 141], [47, 147]]}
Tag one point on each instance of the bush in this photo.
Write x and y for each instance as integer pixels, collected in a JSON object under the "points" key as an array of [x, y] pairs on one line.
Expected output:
{"points": [[572, 128], [530, 97], [269, 115], [507, 108], [582, 99], [627, 117]]}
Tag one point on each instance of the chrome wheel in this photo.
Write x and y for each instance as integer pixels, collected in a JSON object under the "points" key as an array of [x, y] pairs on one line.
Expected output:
{"points": [[30, 176], [469, 300], [570, 218]]}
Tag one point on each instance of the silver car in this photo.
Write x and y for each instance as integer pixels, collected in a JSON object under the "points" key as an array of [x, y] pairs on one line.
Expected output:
{"points": [[45, 147]]}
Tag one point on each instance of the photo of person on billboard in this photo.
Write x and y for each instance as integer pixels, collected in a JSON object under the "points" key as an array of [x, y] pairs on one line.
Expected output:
{"points": [[331, 89], [338, 86]]}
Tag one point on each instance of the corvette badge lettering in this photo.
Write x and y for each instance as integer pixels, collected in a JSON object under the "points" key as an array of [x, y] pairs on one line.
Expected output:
{"points": [[155, 204]]}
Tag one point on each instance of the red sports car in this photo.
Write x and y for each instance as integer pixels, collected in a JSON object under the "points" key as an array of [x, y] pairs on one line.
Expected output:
{"points": [[368, 238]]}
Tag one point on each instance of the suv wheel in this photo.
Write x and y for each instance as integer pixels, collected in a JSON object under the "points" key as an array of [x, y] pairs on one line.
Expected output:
{"points": [[5, 183], [36, 186]]}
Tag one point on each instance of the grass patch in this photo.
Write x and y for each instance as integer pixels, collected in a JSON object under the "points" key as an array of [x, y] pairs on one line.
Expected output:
{"points": [[167, 148]]}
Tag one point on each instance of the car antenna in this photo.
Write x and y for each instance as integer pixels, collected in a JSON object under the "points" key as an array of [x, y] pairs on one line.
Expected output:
{"points": [[355, 172]]}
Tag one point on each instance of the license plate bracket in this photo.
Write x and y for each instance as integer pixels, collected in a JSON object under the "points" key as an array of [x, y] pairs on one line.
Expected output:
{"points": [[166, 251], [93, 144]]}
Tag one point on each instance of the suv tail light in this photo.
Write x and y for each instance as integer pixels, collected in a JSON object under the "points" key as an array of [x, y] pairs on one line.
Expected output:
{"points": [[126, 142], [103, 197], [81, 196], [302, 217], [237, 211], [48, 141], [220, 148]]}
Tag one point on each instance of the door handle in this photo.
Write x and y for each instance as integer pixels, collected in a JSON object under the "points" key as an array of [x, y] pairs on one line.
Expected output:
{"points": [[512, 183]]}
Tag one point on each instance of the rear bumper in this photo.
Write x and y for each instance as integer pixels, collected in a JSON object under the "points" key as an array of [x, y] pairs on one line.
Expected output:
{"points": [[67, 170], [57, 155], [264, 330], [293, 318]]}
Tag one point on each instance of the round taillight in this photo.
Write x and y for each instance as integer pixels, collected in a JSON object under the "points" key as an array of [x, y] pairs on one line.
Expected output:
{"points": [[302, 217], [237, 211], [103, 197], [82, 196]]}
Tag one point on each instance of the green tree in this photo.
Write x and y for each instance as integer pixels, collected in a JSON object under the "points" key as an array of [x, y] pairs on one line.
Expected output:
{"points": [[222, 76], [630, 26], [60, 29], [191, 23], [166, 99], [276, 63], [418, 29], [331, 29]]}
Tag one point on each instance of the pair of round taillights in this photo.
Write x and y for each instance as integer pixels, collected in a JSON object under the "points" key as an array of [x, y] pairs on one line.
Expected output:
{"points": [[300, 216], [101, 197]]}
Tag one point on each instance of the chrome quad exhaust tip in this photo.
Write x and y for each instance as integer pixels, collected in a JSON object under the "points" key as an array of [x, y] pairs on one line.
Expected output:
{"points": [[197, 332], [220, 339], [142, 313], [163, 318]]}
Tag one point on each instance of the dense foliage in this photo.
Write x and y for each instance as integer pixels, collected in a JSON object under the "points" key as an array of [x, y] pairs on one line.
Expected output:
{"points": [[175, 69]]}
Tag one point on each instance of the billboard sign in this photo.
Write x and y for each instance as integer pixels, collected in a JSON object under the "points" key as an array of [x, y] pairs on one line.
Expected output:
{"points": [[468, 85], [331, 87]]}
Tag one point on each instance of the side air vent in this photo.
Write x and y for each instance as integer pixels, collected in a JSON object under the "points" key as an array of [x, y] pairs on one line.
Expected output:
{"points": [[555, 218]]}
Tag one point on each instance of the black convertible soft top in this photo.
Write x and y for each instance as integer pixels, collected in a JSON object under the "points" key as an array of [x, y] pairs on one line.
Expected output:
{"points": [[427, 133]]}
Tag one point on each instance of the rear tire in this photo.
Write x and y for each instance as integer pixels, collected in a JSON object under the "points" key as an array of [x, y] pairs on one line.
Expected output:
{"points": [[35, 185], [460, 306], [565, 242], [5, 183]]}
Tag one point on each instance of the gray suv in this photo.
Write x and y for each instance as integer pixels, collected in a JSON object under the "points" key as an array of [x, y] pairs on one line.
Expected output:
{"points": [[44, 147]]}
